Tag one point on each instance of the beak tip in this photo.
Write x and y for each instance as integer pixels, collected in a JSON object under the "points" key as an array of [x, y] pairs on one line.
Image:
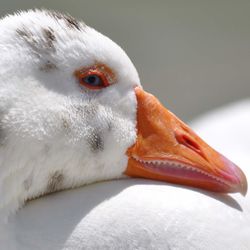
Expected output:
{"points": [[244, 187], [236, 176], [243, 184]]}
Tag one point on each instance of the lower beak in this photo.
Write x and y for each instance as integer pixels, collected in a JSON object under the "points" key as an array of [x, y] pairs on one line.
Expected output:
{"points": [[167, 149]]}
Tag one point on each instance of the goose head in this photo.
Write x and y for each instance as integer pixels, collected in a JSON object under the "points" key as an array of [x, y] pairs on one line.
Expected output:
{"points": [[73, 112]]}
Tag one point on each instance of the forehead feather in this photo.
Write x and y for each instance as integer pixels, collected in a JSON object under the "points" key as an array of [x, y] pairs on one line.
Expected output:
{"points": [[58, 41]]}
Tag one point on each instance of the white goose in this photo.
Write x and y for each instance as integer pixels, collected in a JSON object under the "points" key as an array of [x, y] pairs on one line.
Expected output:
{"points": [[73, 112]]}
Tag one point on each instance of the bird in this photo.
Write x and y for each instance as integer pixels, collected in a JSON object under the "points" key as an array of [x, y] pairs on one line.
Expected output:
{"points": [[143, 214], [73, 112]]}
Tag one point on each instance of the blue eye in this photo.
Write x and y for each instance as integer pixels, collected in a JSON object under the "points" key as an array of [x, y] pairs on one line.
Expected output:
{"points": [[93, 80]]}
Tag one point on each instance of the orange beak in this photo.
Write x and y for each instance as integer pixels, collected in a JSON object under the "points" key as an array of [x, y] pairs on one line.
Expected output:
{"points": [[166, 149]]}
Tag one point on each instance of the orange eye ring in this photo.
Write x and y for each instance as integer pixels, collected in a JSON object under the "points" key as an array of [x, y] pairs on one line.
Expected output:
{"points": [[97, 77], [94, 80]]}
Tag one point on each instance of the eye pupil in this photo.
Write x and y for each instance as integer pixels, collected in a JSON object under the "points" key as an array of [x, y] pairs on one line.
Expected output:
{"points": [[93, 80]]}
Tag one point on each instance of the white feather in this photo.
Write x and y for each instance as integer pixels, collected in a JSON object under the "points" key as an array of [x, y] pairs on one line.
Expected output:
{"points": [[48, 121]]}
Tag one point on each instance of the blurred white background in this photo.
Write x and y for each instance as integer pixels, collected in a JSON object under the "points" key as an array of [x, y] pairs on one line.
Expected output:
{"points": [[194, 55]]}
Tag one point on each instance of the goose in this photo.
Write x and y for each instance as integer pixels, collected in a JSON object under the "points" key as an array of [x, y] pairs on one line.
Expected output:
{"points": [[73, 112]]}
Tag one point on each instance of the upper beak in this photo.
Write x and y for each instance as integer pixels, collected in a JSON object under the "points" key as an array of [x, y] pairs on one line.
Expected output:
{"points": [[167, 149]]}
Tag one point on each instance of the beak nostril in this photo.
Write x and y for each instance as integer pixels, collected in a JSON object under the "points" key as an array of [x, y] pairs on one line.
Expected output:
{"points": [[189, 143]]}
